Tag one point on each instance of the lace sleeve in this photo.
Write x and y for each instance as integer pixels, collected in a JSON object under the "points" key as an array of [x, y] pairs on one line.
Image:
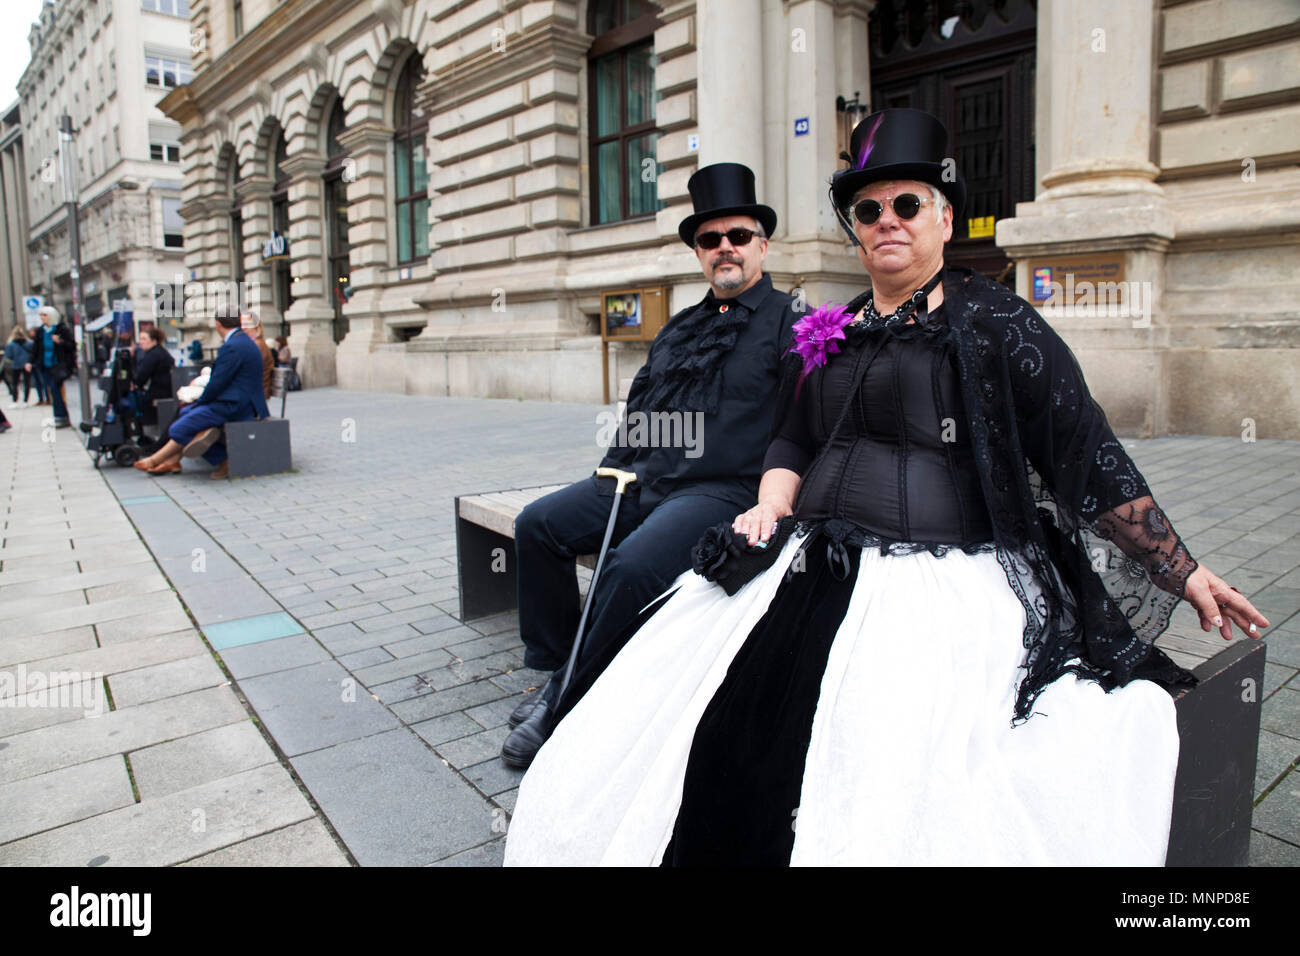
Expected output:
{"points": [[1070, 443], [1142, 531]]}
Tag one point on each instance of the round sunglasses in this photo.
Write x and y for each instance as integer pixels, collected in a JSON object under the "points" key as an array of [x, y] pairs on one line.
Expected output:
{"points": [[737, 237], [906, 206]]}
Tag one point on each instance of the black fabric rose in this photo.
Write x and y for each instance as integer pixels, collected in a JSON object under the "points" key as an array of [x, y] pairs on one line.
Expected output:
{"points": [[709, 556]]}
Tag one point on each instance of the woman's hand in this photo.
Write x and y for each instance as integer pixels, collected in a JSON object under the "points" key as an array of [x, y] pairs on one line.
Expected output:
{"points": [[759, 522], [1220, 605]]}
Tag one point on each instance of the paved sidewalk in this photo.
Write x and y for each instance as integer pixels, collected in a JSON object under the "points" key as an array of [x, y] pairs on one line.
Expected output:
{"points": [[329, 598], [132, 747]]}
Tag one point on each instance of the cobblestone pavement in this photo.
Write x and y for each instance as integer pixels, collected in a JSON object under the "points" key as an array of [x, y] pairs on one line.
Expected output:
{"points": [[340, 710]]}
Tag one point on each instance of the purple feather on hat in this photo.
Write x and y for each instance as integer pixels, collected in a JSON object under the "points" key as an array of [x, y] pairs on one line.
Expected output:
{"points": [[871, 139]]}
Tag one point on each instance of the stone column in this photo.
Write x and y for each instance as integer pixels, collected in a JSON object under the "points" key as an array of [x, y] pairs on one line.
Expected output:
{"points": [[729, 84], [311, 316], [369, 144], [1098, 199], [810, 91], [205, 207], [254, 196]]}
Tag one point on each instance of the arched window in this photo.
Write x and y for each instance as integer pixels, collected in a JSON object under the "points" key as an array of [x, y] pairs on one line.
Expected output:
{"points": [[336, 216], [411, 176], [621, 90], [236, 225], [281, 274]]}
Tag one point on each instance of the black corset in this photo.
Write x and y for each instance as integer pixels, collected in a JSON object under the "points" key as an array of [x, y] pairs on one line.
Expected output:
{"points": [[901, 465]]}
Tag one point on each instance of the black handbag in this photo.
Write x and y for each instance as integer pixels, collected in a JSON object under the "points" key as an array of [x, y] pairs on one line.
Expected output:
{"points": [[726, 558]]}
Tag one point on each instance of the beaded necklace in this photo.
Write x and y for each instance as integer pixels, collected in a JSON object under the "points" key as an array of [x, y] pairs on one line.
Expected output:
{"points": [[914, 305]]}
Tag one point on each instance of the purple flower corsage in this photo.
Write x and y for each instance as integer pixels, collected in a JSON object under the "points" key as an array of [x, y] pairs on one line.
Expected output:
{"points": [[816, 337]]}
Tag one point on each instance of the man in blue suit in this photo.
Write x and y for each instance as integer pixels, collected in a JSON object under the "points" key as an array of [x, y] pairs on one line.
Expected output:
{"points": [[233, 394]]}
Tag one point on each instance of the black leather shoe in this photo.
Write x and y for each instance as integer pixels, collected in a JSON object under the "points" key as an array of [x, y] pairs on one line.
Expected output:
{"points": [[526, 706], [525, 740]]}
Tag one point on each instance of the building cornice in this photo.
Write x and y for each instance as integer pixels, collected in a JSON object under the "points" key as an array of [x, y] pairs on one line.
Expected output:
{"points": [[549, 44], [290, 25]]}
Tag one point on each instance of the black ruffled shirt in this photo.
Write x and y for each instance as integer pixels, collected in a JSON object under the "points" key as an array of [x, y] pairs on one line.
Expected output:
{"points": [[718, 361], [900, 466]]}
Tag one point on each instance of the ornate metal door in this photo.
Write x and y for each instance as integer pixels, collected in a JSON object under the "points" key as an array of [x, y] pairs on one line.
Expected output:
{"points": [[970, 63]]}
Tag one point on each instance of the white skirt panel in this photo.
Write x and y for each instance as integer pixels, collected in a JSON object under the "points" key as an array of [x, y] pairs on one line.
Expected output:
{"points": [[912, 759]]}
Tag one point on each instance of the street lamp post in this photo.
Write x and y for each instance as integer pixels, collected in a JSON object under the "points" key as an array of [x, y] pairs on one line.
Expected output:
{"points": [[74, 237]]}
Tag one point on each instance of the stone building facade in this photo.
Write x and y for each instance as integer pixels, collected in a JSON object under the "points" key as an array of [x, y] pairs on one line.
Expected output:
{"points": [[13, 222], [105, 63], [432, 195]]}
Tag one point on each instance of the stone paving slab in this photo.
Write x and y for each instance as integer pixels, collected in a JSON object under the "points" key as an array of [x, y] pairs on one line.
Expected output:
{"points": [[403, 667], [170, 620], [53, 799], [170, 829], [17, 648], [199, 758], [266, 657], [215, 602], [315, 706], [302, 844], [1276, 755], [393, 802], [103, 611], [1266, 850], [119, 731], [488, 854], [160, 681], [115, 658]]}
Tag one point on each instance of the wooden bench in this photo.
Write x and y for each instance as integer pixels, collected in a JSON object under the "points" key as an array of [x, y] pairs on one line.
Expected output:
{"points": [[1218, 720], [485, 549]]}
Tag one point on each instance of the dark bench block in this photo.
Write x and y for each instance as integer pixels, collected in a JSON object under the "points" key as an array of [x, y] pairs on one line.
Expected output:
{"points": [[1218, 729], [259, 448], [166, 409], [183, 375], [483, 590]]}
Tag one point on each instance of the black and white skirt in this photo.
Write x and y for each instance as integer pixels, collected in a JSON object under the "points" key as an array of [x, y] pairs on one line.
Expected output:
{"points": [[863, 719]]}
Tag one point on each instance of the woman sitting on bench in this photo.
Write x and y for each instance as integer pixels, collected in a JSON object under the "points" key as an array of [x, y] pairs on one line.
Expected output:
{"points": [[233, 394], [942, 661]]}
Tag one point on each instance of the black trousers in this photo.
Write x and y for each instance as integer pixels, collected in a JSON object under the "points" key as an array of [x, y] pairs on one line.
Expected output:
{"points": [[645, 555]]}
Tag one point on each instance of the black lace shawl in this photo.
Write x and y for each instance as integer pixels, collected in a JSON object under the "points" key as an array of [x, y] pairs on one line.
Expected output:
{"points": [[1092, 558]]}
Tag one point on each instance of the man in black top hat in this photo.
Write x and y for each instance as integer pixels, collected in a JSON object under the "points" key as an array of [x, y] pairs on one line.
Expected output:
{"points": [[712, 374]]}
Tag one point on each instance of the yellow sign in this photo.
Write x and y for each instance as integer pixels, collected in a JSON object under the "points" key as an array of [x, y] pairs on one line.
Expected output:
{"points": [[980, 227]]}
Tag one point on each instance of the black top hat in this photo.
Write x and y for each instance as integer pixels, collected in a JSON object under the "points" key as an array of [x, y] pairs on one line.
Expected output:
{"points": [[899, 144], [724, 189]]}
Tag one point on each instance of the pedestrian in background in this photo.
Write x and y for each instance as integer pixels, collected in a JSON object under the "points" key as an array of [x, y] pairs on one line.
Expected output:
{"points": [[54, 352], [251, 326], [18, 351], [153, 373]]}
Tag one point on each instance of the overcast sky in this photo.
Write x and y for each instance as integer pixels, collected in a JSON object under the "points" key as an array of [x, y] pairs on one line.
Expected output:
{"points": [[14, 51]]}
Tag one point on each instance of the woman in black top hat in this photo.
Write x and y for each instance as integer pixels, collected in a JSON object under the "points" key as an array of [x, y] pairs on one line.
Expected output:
{"points": [[949, 659]]}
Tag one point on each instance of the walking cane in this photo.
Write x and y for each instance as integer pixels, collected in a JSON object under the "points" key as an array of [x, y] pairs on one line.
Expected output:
{"points": [[624, 478]]}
